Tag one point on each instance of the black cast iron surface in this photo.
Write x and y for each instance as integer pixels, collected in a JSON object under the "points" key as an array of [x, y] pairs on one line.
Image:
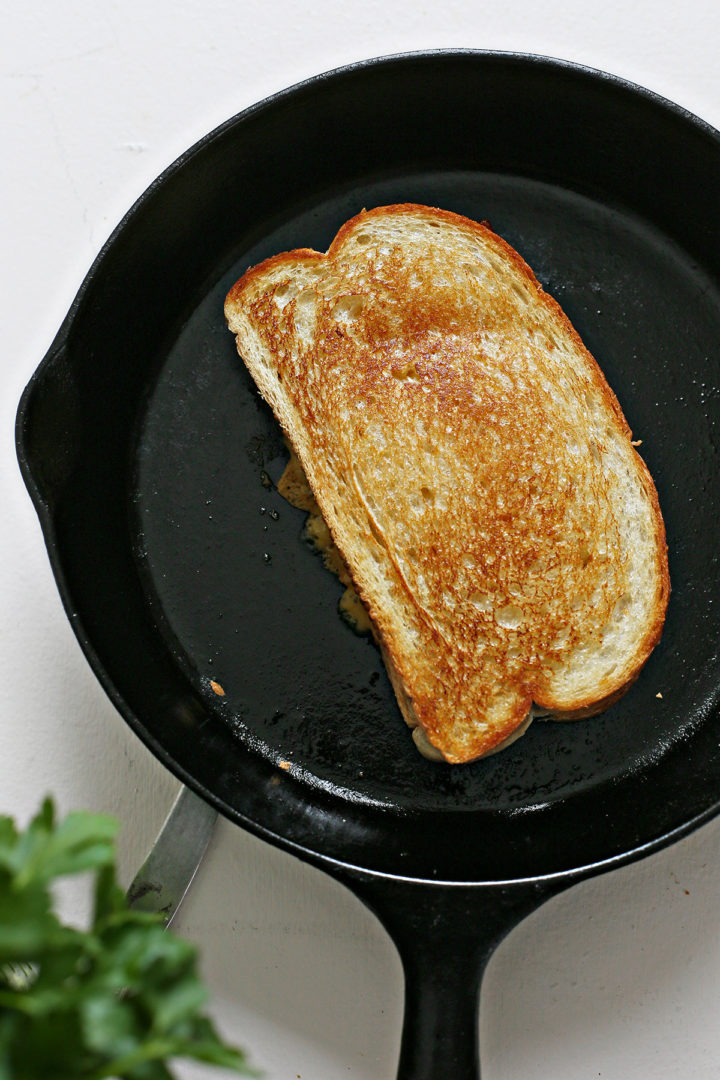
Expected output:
{"points": [[153, 463]]}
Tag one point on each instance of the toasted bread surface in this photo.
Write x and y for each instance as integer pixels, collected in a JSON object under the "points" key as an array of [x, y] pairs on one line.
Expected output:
{"points": [[473, 466]]}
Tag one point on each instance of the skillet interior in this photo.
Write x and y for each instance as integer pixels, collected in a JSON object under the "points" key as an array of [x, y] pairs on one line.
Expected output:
{"points": [[150, 454]]}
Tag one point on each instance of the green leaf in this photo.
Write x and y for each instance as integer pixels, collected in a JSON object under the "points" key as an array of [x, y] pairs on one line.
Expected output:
{"points": [[50, 1049], [8, 842], [119, 1000], [62, 966], [150, 1070], [215, 1053], [34, 836], [108, 896], [28, 928], [110, 1025], [178, 1003], [7, 1026], [82, 842], [147, 954], [212, 1052]]}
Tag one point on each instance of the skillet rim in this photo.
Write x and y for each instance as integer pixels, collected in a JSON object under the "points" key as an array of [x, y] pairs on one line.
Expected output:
{"points": [[46, 516]]}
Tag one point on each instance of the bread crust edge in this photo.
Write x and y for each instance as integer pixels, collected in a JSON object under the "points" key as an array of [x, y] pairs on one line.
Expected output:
{"points": [[579, 708]]}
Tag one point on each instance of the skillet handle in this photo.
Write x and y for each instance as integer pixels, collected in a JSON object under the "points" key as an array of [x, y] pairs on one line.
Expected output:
{"points": [[445, 935]]}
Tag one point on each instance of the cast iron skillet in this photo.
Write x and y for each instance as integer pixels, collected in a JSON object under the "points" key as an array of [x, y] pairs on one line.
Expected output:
{"points": [[152, 463]]}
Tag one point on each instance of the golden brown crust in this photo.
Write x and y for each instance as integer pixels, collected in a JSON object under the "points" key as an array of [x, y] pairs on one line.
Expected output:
{"points": [[472, 464]]}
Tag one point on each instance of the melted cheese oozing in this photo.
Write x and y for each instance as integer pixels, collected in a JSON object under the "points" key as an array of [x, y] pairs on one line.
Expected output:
{"points": [[294, 488]]}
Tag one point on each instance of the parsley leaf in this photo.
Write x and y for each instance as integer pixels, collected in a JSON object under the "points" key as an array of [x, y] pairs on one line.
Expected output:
{"points": [[118, 1000]]}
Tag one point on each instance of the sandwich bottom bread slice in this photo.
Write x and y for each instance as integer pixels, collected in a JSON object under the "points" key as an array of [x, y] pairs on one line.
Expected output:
{"points": [[473, 467]]}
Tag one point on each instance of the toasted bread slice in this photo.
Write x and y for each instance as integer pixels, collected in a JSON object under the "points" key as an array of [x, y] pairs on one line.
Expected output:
{"points": [[473, 466]]}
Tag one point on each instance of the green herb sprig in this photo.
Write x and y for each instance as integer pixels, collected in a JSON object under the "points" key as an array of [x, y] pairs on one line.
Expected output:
{"points": [[118, 1000]]}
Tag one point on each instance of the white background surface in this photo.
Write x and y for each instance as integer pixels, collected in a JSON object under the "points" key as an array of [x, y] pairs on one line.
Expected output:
{"points": [[618, 978]]}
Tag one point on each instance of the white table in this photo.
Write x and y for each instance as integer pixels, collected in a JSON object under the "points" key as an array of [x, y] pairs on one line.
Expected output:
{"points": [[618, 978]]}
